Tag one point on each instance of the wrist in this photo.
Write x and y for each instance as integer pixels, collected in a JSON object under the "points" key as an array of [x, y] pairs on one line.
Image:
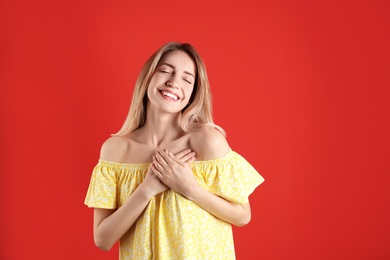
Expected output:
{"points": [[146, 192], [194, 192]]}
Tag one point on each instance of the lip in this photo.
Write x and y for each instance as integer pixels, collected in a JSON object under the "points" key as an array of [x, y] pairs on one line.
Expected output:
{"points": [[171, 92]]}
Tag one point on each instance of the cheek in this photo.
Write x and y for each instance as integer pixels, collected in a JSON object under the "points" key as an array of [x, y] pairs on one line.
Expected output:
{"points": [[189, 92], [150, 90], [153, 83], [154, 80]]}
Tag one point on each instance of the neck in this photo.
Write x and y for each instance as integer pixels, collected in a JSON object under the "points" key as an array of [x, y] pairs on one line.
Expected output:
{"points": [[161, 128]]}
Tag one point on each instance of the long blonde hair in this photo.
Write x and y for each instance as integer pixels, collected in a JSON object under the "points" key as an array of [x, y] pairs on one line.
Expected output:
{"points": [[199, 111]]}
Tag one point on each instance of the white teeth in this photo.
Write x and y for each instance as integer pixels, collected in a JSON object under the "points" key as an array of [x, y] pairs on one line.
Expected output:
{"points": [[170, 95]]}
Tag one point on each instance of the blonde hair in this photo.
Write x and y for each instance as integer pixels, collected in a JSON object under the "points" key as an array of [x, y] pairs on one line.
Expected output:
{"points": [[194, 116]]}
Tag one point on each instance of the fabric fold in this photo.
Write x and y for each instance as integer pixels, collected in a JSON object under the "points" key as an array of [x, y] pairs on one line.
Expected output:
{"points": [[171, 226]]}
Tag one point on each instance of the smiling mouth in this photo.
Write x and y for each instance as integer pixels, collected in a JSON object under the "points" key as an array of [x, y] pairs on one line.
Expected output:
{"points": [[169, 94]]}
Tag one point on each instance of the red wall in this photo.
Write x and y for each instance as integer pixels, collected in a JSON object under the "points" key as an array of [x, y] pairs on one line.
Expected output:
{"points": [[300, 87]]}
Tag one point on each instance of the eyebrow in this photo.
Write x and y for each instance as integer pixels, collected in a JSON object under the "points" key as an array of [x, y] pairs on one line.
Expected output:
{"points": [[173, 67]]}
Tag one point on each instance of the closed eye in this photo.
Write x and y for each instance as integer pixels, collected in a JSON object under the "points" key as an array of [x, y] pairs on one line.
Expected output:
{"points": [[188, 81]]}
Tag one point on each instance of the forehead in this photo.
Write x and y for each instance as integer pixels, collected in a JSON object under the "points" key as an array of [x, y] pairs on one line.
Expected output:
{"points": [[179, 60]]}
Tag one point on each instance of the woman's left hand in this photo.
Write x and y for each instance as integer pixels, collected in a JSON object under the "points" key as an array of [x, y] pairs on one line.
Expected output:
{"points": [[174, 172]]}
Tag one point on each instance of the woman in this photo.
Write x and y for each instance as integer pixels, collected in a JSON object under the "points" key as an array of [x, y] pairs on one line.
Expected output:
{"points": [[167, 185]]}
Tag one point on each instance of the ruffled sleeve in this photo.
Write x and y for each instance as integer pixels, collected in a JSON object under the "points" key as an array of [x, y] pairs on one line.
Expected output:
{"points": [[230, 177], [102, 190]]}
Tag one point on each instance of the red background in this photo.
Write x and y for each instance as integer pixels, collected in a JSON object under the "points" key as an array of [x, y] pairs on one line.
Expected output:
{"points": [[301, 87]]}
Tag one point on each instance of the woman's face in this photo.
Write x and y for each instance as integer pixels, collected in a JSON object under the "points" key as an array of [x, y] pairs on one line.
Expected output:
{"points": [[172, 83]]}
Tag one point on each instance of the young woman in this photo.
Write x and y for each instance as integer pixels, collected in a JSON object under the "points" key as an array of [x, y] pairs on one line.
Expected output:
{"points": [[167, 185]]}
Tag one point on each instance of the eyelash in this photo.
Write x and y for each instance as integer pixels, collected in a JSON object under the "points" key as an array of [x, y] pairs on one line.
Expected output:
{"points": [[169, 72]]}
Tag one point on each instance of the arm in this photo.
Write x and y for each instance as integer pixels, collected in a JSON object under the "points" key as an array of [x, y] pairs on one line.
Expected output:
{"points": [[111, 224], [209, 144], [178, 176], [236, 214]]}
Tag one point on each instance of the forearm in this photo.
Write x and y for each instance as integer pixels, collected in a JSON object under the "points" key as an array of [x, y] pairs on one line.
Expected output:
{"points": [[236, 214], [179, 177], [114, 226]]}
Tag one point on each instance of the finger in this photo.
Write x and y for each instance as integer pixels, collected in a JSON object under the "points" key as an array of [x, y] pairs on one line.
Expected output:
{"points": [[159, 157], [183, 153], [190, 160], [172, 159], [165, 156], [156, 172], [157, 166], [188, 157], [159, 175]]}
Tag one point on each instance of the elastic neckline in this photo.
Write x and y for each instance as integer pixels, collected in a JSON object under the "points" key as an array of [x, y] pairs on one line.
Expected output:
{"points": [[147, 164]]}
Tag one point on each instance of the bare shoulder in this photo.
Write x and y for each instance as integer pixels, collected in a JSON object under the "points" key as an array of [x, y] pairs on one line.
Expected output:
{"points": [[209, 143], [114, 148]]}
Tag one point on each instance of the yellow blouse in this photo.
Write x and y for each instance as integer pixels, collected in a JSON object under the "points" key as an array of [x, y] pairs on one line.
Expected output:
{"points": [[171, 226]]}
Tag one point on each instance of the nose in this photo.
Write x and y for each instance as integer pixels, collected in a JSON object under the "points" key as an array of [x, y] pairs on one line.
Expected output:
{"points": [[173, 81]]}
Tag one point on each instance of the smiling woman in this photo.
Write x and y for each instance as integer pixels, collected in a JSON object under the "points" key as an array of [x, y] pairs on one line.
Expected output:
{"points": [[167, 185], [173, 81]]}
